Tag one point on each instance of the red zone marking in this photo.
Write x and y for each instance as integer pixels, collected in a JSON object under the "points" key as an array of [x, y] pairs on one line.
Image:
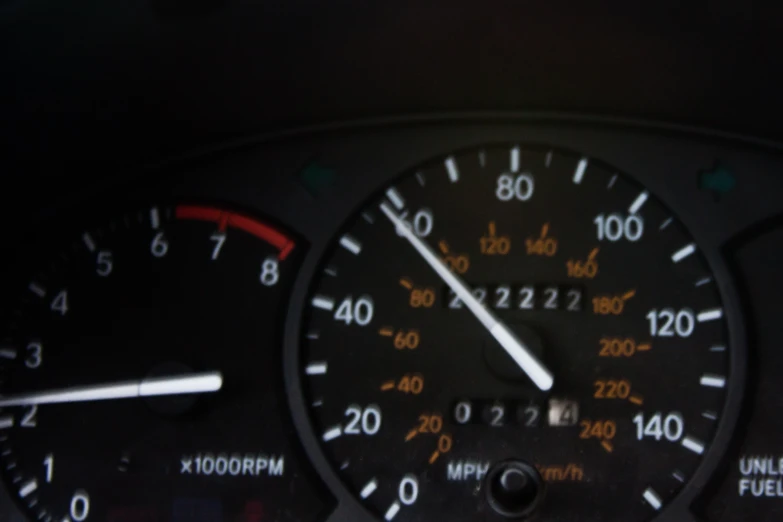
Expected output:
{"points": [[230, 219]]}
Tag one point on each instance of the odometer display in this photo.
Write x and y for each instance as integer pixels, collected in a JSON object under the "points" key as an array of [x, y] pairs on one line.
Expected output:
{"points": [[511, 331]]}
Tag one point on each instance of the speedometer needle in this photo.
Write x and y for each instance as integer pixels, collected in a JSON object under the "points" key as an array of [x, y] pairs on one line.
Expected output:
{"points": [[207, 382], [528, 362]]}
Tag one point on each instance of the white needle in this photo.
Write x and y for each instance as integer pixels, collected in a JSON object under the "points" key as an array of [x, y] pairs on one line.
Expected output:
{"points": [[208, 382], [528, 362]]}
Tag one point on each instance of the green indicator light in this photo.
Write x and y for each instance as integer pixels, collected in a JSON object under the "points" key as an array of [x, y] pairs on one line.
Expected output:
{"points": [[719, 180], [317, 178]]}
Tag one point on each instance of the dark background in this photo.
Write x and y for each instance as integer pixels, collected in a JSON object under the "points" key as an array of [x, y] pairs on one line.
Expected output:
{"points": [[131, 81]]}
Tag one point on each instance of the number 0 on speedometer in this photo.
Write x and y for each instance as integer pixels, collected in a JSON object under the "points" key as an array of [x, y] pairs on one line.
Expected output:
{"points": [[510, 332]]}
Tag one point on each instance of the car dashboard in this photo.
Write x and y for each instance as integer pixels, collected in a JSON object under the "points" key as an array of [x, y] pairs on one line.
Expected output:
{"points": [[217, 311]]}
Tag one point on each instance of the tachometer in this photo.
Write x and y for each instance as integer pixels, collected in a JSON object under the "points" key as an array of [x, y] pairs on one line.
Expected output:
{"points": [[507, 332], [141, 375]]}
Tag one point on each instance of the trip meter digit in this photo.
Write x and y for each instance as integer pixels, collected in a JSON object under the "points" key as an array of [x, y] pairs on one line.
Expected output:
{"points": [[509, 332], [140, 375]]}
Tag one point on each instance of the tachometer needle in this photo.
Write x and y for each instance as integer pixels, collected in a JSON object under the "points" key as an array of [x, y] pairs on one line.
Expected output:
{"points": [[207, 382], [528, 362]]}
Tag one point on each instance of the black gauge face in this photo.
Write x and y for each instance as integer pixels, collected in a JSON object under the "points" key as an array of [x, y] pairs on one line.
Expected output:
{"points": [[141, 376], [510, 332]]}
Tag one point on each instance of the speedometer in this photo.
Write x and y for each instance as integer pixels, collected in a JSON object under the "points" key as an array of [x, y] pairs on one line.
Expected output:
{"points": [[513, 331]]}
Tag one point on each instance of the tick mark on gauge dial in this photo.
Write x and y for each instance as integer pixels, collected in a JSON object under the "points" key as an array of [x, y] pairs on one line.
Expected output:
{"points": [[712, 381], [684, 252], [638, 202], [332, 433], [579, 173], [124, 464], [392, 511], [351, 244], [28, 487], [395, 198], [316, 368], [693, 444], [665, 224], [88, 241], [37, 289], [323, 302], [710, 315], [453, 171], [514, 160], [154, 218], [369, 488], [653, 498]]}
